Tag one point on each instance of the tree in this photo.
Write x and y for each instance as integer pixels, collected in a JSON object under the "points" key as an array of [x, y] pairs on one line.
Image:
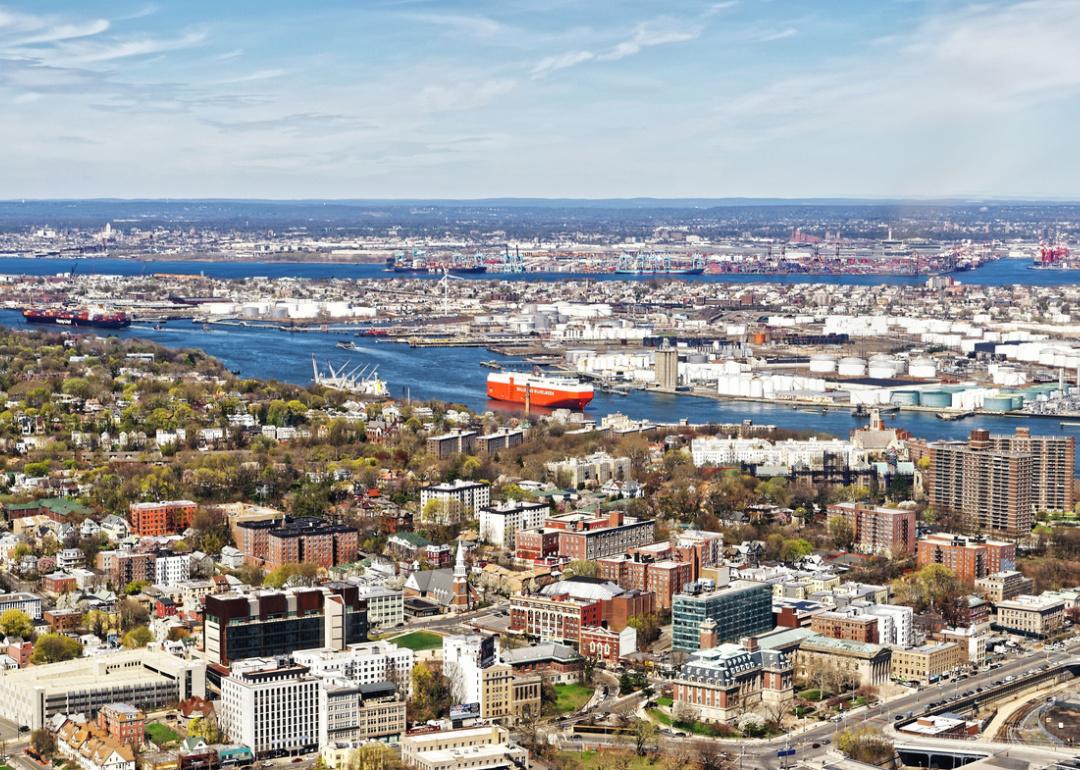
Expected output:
{"points": [[53, 648], [373, 756], [684, 713], [647, 626], [710, 756], [795, 549], [43, 744], [15, 622], [842, 533], [581, 568], [137, 638], [132, 614], [933, 588], [645, 737], [206, 728], [135, 587], [865, 744], [432, 697]]}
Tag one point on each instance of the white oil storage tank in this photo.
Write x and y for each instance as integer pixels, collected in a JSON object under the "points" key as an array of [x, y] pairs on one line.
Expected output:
{"points": [[851, 366], [882, 367], [923, 368], [822, 364]]}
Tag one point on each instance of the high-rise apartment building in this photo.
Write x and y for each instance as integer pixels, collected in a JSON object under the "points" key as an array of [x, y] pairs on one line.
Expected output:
{"points": [[1053, 463], [990, 488], [884, 531], [969, 558]]}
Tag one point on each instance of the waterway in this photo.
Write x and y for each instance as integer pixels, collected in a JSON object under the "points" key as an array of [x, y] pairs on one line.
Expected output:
{"points": [[454, 375], [997, 273]]}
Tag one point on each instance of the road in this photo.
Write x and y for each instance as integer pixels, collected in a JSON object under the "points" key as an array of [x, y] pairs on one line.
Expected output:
{"points": [[812, 744]]}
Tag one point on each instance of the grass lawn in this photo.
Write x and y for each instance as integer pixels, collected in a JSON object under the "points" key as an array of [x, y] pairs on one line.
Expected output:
{"points": [[814, 695], [161, 734], [588, 760], [699, 728], [418, 641], [570, 697], [664, 700]]}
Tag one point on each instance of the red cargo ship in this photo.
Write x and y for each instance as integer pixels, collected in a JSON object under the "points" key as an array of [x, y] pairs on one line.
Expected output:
{"points": [[542, 390], [80, 317]]}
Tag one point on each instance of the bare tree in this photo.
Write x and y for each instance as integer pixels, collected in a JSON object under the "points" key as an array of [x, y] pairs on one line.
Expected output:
{"points": [[710, 756]]}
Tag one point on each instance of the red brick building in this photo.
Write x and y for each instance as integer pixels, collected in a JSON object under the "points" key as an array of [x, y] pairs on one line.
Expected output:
{"points": [[166, 517], [884, 531], [123, 723], [536, 544], [969, 558], [840, 625], [663, 579], [126, 566], [271, 543], [600, 643], [553, 618]]}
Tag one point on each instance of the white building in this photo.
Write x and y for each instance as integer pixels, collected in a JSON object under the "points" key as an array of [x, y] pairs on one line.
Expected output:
{"points": [[499, 523], [464, 658], [758, 451], [386, 607], [896, 624], [271, 707], [473, 748], [362, 663], [169, 570], [593, 470], [458, 499], [27, 602]]}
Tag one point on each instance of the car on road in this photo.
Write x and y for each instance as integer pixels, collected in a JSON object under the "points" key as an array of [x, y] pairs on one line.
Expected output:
{"points": [[815, 745], [267, 764]]}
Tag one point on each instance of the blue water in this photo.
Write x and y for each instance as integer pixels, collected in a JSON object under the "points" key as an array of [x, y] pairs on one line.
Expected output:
{"points": [[454, 375], [1001, 272]]}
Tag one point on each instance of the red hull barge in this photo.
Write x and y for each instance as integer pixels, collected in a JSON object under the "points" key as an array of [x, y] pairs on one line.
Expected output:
{"points": [[551, 392]]}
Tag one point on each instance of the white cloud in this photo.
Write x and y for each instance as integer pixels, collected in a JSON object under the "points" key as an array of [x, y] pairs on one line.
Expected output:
{"points": [[780, 34], [477, 26], [645, 35], [65, 32], [462, 95], [561, 61]]}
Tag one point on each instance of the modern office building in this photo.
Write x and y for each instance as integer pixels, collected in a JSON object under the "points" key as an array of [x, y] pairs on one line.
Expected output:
{"points": [[882, 531], [270, 706], [268, 623], [969, 558], [27, 602], [144, 679], [739, 609]]}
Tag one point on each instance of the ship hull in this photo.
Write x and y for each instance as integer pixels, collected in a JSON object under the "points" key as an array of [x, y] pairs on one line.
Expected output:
{"points": [[539, 395], [88, 323], [675, 271]]}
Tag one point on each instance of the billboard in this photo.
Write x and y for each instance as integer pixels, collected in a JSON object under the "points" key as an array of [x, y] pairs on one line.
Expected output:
{"points": [[464, 711]]}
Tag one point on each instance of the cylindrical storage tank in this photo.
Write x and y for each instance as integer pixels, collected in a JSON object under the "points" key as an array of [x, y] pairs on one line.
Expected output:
{"points": [[997, 403], [851, 367], [822, 364], [882, 368], [923, 368], [936, 399], [695, 358], [905, 398], [1017, 401]]}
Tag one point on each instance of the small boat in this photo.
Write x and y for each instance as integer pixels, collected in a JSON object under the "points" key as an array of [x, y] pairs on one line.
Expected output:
{"points": [[953, 416], [348, 345], [491, 365]]}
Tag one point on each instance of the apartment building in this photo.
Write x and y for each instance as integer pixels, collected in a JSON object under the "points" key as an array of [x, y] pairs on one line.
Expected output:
{"points": [[501, 522], [455, 442], [453, 502], [123, 722], [991, 488], [273, 542], [167, 517], [1053, 465], [969, 558], [591, 471], [172, 569], [349, 713], [846, 625], [361, 664], [882, 531], [999, 586]]}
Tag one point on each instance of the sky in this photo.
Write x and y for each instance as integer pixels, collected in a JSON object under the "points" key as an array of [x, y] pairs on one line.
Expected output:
{"points": [[539, 98]]}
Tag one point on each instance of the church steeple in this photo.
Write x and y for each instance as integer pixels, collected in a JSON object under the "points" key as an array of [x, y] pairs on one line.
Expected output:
{"points": [[460, 599]]}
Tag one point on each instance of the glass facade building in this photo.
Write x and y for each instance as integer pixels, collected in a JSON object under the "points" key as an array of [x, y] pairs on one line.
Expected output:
{"points": [[740, 609]]}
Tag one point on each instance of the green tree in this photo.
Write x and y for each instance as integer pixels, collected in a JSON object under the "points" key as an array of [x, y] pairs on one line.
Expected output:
{"points": [[432, 695], [866, 744], [581, 568], [137, 638], [53, 648], [15, 622], [843, 536], [794, 549], [933, 588], [205, 728]]}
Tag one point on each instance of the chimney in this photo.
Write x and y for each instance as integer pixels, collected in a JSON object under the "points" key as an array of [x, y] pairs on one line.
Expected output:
{"points": [[749, 643], [707, 634], [615, 518]]}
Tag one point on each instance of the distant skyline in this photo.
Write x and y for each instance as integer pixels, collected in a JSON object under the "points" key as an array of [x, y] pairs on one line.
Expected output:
{"points": [[457, 99]]}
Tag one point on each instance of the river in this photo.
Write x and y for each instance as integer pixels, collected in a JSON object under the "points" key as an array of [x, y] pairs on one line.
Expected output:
{"points": [[455, 375], [998, 273]]}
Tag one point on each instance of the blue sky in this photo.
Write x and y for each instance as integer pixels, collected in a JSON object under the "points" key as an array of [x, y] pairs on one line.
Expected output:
{"points": [[567, 98]]}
